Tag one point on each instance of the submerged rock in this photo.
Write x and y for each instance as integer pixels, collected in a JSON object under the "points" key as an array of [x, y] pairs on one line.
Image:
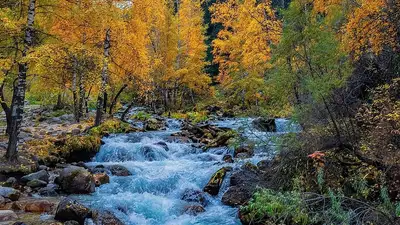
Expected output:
{"points": [[69, 209], [194, 210], [105, 218], [264, 124], [227, 159], [244, 151], [163, 145], [152, 153], [215, 182], [191, 195], [118, 170], [76, 180]]}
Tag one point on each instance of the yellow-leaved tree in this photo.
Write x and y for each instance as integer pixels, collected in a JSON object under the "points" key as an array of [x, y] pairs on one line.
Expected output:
{"points": [[243, 47]]}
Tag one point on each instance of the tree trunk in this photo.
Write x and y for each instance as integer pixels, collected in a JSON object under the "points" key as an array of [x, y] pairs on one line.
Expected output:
{"points": [[105, 102], [74, 90], [60, 104], [87, 100], [127, 110], [114, 102], [5, 107], [104, 78], [81, 95], [17, 107]]}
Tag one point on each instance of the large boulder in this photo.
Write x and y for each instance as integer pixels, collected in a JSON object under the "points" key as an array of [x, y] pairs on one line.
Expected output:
{"points": [[69, 209], [10, 193], [76, 180], [42, 175], [105, 218], [192, 195], [264, 124], [7, 215], [215, 183], [118, 170], [244, 183], [238, 195]]}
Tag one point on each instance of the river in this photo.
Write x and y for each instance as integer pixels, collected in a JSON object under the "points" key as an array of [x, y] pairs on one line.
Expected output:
{"points": [[152, 195]]}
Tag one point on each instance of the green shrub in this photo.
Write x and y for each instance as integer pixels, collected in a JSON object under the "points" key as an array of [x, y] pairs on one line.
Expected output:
{"points": [[142, 116], [277, 208]]}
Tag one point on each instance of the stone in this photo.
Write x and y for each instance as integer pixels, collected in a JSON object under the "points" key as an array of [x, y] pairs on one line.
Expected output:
{"points": [[40, 175], [215, 182], [69, 209], [2, 201], [264, 165], [7, 215], [237, 195], [36, 183], [51, 190], [101, 178], [118, 170], [43, 167], [243, 152], [194, 210], [10, 193], [163, 145], [192, 195], [244, 183], [105, 218], [153, 124], [39, 206], [75, 131], [76, 180], [264, 124], [227, 158], [10, 182], [71, 222]]}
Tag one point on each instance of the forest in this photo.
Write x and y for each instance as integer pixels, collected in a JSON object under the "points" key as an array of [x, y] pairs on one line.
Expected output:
{"points": [[212, 112]]}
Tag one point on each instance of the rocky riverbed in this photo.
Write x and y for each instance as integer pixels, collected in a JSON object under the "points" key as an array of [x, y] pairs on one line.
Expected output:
{"points": [[167, 172]]}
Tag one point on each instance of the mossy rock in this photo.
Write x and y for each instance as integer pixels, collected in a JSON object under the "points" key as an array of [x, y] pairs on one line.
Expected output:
{"points": [[112, 126], [215, 182], [51, 151], [80, 148]]}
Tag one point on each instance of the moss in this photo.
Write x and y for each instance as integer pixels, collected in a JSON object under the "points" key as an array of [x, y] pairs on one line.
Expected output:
{"points": [[50, 150], [111, 126]]}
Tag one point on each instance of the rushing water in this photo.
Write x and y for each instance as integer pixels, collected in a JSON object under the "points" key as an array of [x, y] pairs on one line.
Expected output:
{"points": [[152, 195]]}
